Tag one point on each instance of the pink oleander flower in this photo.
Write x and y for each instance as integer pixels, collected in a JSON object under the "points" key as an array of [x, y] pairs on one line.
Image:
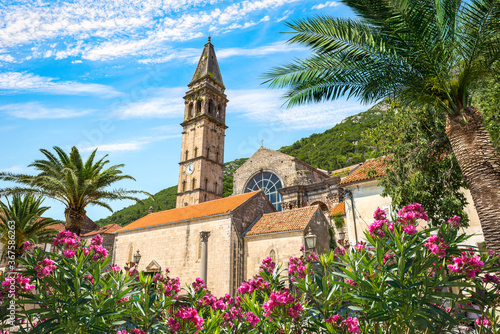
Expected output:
{"points": [[114, 268], [45, 267], [96, 240], [268, 264], [297, 268], [252, 319], [410, 229], [123, 300], [312, 257], [454, 221], [99, 252], [483, 321], [334, 318], [351, 282], [377, 228], [379, 214], [489, 278], [69, 253], [360, 246], [388, 256], [27, 246], [468, 264], [198, 284], [172, 288], [279, 299], [436, 246], [352, 325], [188, 316]]}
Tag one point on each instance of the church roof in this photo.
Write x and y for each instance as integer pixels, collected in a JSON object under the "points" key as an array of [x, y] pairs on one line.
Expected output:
{"points": [[338, 209], [207, 65], [283, 221], [369, 170], [108, 229], [205, 209]]}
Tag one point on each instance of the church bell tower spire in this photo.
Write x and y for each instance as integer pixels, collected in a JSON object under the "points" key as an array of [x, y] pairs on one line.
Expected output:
{"points": [[203, 132]]}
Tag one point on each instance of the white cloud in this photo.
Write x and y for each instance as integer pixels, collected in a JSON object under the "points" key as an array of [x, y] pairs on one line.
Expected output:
{"points": [[265, 107], [165, 103], [133, 145], [7, 58], [286, 14], [13, 169], [262, 106], [27, 82], [98, 30], [192, 55], [35, 110], [327, 4]]}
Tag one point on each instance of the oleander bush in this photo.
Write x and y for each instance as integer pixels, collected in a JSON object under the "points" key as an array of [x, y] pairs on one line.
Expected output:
{"points": [[403, 279]]}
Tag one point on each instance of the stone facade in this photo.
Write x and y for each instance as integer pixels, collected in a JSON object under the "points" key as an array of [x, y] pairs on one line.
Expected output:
{"points": [[303, 185], [177, 245], [202, 150], [282, 245]]}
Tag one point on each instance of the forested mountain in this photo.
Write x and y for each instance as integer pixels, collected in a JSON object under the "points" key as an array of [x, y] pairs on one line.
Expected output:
{"points": [[342, 145], [335, 148]]}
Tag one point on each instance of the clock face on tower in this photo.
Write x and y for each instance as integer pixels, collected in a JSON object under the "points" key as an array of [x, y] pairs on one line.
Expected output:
{"points": [[190, 169]]}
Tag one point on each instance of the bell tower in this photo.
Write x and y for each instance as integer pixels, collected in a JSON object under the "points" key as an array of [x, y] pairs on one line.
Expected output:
{"points": [[203, 132]]}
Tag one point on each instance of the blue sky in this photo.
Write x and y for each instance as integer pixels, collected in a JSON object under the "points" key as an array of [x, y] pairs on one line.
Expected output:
{"points": [[111, 74]]}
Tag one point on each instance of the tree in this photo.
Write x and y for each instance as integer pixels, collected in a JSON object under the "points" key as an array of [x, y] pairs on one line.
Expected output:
{"points": [[421, 165], [430, 52], [67, 179], [29, 225]]}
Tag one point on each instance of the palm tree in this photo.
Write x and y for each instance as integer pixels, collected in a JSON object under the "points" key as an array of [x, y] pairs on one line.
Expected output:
{"points": [[431, 52], [29, 225], [67, 179]]}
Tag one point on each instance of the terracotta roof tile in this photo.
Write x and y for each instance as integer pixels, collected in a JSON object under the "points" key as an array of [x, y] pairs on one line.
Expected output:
{"points": [[283, 221], [108, 229], [210, 208], [370, 169], [338, 209]]}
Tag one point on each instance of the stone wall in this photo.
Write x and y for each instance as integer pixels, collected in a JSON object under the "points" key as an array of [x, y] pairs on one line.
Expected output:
{"points": [[177, 247], [258, 247], [319, 226]]}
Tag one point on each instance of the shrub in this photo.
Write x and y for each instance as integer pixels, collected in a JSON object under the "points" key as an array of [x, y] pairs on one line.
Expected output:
{"points": [[401, 280]]}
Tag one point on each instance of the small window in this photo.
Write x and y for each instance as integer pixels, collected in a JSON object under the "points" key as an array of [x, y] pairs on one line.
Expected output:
{"points": [[190, 110], [193, 184], [208, 153], [186, 156], [272, 255], [217, 156], [218, 111], [215, 187], [195, 152], [198, 107], [210, 107], [206, 184], [183, 186]]}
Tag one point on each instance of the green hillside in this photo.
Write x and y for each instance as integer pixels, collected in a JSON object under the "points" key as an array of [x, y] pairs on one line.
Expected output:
{"points": [[340, 146]]}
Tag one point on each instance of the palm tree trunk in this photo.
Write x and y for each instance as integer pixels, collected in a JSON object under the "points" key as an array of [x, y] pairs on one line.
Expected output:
{"points": [[480, 164], [74, 219]]}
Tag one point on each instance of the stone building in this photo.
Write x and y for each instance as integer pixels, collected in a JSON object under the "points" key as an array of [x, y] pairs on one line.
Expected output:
{"points": [[108, 237], [224, 240], [287, 181], [203, 132]]}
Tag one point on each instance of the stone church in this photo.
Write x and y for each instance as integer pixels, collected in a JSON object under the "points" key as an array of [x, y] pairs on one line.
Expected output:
{"points": [[277, 200]]}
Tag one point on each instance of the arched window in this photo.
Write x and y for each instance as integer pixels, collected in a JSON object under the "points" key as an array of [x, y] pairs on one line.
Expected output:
{"points": [[193, 184], [210, 107], [218, 111], [272, 255], [190, 110], [183, 186], [195, 152], [187, 155], [215, 187], [270, 184], [198, 107], [130, 253]]}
